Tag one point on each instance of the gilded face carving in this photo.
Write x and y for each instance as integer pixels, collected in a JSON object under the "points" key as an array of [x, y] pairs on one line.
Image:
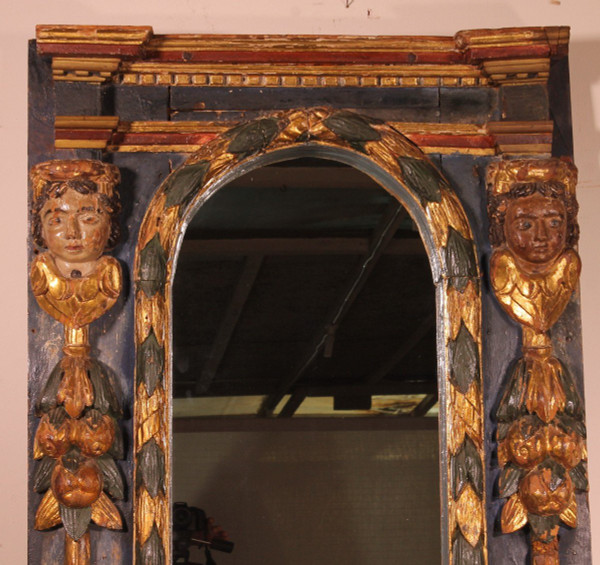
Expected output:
{"points": [[536, 228], [75, 228]]}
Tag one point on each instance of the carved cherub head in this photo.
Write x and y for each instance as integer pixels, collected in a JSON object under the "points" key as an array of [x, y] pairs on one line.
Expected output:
{"points": [[75, 211], [534, 218]]}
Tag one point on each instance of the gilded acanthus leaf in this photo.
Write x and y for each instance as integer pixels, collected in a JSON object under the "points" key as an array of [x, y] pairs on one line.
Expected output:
{"points": [[469, 515], [569, 516], [464, 417], [48, 513], [514, 515], [105, 513], [145, 511]]}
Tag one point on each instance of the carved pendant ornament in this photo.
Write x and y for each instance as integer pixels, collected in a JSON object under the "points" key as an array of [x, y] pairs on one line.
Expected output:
{"points": [[74, 217], [534, 271]]}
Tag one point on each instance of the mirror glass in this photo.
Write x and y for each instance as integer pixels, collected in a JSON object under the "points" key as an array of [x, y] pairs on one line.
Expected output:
{"points": [[304, 373]]}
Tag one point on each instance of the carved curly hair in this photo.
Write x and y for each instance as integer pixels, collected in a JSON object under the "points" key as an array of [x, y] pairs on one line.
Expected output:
{"points": [[498, 204], [82, 186]]}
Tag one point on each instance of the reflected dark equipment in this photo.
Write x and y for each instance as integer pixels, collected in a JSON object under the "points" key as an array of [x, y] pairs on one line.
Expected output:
{"points": [[191, 528]]}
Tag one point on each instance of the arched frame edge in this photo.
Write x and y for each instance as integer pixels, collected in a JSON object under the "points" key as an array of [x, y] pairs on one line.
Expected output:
{"points": [[458, 308]]}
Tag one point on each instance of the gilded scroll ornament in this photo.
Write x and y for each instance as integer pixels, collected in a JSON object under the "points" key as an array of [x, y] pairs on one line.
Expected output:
{"points": [[74, 217], [534, 271]]}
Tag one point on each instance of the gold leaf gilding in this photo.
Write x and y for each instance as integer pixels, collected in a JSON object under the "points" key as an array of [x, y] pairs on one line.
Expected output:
{"points": [[48, 513], [469, 515], [514, 515], [105, 513], [145, 512]]}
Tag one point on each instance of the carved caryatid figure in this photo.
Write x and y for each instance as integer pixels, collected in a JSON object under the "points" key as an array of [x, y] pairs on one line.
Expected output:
{"points": [[534, 270], [75, 218]]}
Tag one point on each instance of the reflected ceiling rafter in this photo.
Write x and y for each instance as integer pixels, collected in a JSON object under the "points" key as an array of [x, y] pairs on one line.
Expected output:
{"points": [[382, 235], [229, 323]]}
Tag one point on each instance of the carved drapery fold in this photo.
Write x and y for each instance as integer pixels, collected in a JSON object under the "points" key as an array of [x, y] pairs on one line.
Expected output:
{"points": [[534, 271]]}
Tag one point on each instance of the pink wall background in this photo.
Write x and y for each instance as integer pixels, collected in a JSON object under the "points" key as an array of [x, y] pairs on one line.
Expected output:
{"points": [[365, 17]]}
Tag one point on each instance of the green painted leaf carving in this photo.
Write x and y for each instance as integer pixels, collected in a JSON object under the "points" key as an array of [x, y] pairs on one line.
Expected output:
{"points": [[75, 520], [464, 554], [464, 360], [151, 463], [105, 397], [153, 267], [542, 524], [48, 399], [113, 482], [43, 472], [150, 363], [422, 178], [512, 405], [183, 183], [508, 483], [460, 260], [253, 137], [117, 449], [152, 552], [579, 476], [466, 468], [574, 405], [352, 127]]}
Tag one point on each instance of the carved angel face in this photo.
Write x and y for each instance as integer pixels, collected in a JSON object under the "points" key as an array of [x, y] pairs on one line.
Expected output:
{"points": [[536, 228], [75, 228]]}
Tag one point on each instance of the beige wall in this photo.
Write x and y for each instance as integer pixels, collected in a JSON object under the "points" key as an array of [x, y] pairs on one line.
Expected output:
{"points": [[401, 17]]}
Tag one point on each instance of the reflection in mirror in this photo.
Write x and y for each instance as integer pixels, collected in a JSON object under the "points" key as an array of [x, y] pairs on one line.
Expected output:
{"points": [[305, 388]]}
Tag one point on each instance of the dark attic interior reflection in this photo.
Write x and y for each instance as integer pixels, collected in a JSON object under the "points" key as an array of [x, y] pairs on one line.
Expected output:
{"points": [[305, 370]]}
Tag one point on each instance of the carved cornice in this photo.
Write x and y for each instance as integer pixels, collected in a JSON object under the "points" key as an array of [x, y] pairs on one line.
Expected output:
{"points": [[110, 134], [135, 56]]}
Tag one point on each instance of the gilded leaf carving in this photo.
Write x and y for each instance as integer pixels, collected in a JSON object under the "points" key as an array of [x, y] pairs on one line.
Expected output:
{"points": [[48, 512], [514, 515], [144, 515], [105, 513], [469, 515], [398, 157]]}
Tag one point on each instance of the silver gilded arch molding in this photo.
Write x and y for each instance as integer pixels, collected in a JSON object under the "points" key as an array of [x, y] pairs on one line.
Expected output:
{"points": [[402, 169]]}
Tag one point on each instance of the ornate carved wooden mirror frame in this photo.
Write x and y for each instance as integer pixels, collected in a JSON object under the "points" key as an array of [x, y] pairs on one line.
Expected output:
{"points": [[404, 171], [497, 99]]}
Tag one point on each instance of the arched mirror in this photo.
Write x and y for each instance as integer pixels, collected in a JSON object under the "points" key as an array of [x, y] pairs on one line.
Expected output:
{"points": [[299, 325], [305, 371]]}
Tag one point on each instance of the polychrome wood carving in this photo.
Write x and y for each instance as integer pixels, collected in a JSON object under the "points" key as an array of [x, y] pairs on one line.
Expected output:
{"points": [[74, 217], [429, 197], [534, 271]]}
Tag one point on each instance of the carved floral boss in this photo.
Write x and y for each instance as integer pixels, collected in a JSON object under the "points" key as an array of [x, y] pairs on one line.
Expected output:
{"points": [[534, 271], [75, 217]]}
